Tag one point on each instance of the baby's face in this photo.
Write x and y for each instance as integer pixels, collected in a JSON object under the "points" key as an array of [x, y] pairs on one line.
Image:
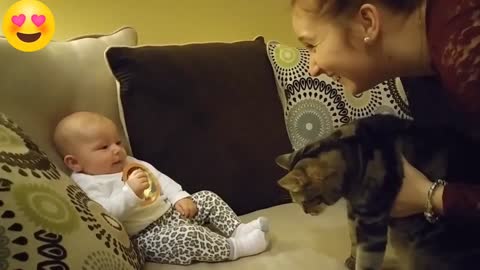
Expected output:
{"points": [[100, 150]]}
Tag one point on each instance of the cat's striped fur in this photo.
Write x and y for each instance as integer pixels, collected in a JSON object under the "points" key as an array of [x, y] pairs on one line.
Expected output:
{"points": [[361, 162]]}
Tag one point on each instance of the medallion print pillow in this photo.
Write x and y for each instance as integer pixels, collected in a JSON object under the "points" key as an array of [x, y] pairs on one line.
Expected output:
{"points": [[46, 220], [314, 106]]}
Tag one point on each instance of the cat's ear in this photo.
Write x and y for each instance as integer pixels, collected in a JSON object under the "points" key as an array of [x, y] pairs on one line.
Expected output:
{"points": [[284, 161], [291, 182]]}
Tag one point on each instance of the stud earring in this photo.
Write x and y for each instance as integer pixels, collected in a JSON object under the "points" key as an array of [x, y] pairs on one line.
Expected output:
{"points": [[366, 39]]}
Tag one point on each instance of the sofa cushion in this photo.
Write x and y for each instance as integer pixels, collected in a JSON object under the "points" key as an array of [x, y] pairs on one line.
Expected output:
{"points": [[46, 220], [298, 241], [314, 106], [39, 88], [207, 115]]}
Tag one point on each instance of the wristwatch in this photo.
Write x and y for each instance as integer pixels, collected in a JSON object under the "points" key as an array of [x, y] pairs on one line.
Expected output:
{"points": [[429, 213]]}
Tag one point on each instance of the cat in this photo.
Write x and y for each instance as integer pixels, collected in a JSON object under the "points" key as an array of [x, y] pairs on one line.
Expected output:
{"points": [[362, 162]]}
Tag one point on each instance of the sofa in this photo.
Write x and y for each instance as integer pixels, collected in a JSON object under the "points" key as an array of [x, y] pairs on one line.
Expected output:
{"points": [[211, 116]]}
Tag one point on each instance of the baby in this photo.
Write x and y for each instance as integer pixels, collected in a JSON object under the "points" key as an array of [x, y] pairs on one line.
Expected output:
{"points": [[171, 227]]}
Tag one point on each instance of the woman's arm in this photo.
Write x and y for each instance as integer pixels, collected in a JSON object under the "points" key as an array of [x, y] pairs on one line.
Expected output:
{"points": [[454, 199], [454, 46], [461, 200], [413, 194]]}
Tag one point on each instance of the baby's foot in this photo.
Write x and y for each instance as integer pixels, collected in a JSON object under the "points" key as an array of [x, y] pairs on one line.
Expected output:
{"points": [[250, 244], [260, 223]]}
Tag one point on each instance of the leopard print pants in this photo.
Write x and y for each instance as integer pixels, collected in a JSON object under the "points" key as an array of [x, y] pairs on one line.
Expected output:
{"points": [[175, 240]]}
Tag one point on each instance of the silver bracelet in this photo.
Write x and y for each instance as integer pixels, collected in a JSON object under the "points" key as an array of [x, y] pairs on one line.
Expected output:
{"points": [[429, 213]]}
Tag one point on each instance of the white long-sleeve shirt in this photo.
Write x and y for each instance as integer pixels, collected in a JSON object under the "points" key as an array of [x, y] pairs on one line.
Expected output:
{"points": [[121, 202]]}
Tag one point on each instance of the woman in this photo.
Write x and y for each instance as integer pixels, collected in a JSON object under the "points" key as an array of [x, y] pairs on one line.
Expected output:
{"points": [[362, 43]]}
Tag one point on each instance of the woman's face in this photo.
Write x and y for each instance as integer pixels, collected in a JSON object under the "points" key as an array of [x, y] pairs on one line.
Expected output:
{"points": [[335, 49]]}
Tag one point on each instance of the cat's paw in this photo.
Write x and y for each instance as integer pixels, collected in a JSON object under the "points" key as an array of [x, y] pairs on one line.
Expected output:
{"points": [[350, 263]]}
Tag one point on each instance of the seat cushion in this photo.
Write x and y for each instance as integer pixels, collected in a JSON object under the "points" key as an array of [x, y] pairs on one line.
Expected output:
{"points": [[46, 220], [298, 241], [39, 88], [207, 115]]}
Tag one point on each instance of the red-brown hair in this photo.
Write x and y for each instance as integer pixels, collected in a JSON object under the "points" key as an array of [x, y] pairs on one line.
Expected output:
{"points": [[346, 7]]}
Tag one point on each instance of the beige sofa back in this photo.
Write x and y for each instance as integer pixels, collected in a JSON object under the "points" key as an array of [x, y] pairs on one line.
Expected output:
{"points": [[39, 88]]}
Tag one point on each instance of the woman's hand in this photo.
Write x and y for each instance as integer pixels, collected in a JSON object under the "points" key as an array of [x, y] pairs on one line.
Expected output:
{"points": [[413, 194]]}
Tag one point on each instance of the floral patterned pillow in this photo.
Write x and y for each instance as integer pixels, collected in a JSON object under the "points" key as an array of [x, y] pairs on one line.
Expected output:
{"points": [[46, 220], [314, 106]]}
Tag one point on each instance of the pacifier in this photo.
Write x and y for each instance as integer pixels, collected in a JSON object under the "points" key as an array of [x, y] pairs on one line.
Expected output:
{"points": [[152, 190]]}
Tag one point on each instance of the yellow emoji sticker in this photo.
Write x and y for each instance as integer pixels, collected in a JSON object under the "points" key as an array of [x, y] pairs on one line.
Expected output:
{"points": [[28, 25]]}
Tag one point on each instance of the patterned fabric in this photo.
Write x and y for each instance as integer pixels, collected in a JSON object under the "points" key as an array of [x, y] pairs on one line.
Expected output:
{"points": [[314, 106], [176, 240], [453, 36], [46, 221]]}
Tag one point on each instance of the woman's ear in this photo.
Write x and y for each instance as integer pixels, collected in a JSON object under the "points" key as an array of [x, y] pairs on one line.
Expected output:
{"points": [[369, 18], [72, 163]]}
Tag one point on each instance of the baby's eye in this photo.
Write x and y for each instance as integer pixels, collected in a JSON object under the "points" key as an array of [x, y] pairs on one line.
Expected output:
{"points": [[104, 147], [118, 143]]}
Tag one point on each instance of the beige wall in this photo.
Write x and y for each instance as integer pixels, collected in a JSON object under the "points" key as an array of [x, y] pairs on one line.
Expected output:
{"points": [[173, 21]]}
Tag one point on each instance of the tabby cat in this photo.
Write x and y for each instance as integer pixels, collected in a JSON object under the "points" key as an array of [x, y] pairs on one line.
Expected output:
{"points": [[362, 162]]}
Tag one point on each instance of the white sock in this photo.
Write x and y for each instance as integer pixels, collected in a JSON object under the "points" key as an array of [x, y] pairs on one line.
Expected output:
{"points": [[249, 244], [260, 223]]}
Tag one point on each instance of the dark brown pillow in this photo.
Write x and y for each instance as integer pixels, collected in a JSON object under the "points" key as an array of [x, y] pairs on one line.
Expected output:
{"points": [[208, 115]]}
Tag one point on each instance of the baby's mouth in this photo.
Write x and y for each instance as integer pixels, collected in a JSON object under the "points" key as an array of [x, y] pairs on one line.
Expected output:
{"points": [[29, 38]]}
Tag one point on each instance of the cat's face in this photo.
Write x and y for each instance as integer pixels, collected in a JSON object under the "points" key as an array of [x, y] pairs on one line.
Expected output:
{"points": [[314, 182]]}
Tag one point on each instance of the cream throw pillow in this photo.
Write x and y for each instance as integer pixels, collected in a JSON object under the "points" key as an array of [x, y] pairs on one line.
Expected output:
{"points": [[39, 88]]}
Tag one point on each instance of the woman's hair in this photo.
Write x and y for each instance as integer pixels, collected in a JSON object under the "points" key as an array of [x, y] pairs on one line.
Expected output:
{"points": [[346, 7]]}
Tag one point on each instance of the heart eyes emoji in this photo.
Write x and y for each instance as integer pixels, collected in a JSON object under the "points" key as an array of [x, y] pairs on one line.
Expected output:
{"points": [[19, 20]]}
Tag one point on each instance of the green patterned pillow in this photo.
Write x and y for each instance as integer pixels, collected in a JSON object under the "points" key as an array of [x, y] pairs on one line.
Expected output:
{"points": [[314, 106], [46, 221]]}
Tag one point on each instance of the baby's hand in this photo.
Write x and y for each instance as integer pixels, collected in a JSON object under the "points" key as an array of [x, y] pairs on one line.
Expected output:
{"points": [[138, 182], [186, 207]]}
